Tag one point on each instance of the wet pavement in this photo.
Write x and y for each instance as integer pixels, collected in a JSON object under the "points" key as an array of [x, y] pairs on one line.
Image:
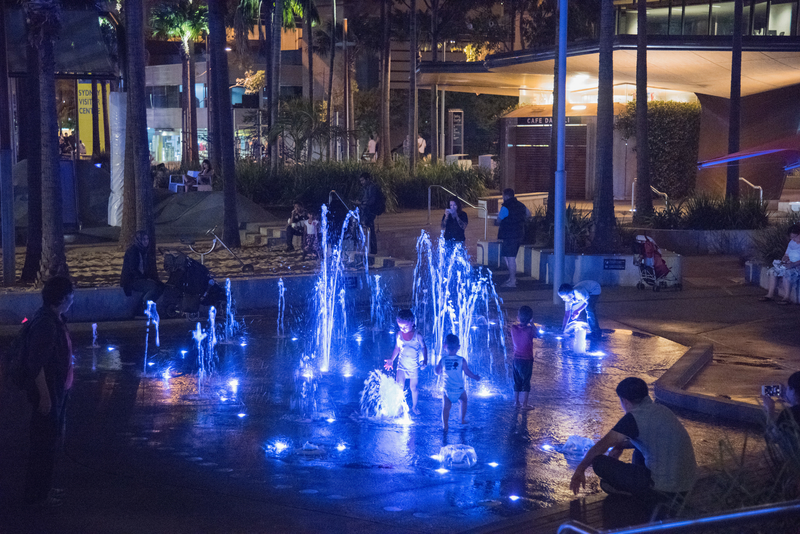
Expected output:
{"points": [[154, 447]]}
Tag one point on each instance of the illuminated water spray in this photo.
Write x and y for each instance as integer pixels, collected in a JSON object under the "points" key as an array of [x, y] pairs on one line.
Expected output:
{"points": [[94, 336], [232, 327], [281, 307], [212, 329], [383, 398], [203, 362], [453, 297], [152, 317]]}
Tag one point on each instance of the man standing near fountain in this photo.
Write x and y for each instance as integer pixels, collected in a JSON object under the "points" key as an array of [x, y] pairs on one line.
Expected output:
{"points": [[49, 375], [511, 221], [371, 206], [581, 297], [663, 459]]}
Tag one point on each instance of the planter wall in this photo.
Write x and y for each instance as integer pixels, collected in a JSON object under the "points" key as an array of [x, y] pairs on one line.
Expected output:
{"points": [[703, 242]]}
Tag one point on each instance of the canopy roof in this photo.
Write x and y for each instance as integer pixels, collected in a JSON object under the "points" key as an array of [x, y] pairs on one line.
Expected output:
{"points": [[788, 149]]}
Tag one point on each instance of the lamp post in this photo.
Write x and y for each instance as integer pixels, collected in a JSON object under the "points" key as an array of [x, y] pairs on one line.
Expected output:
{"points": [[561, 177]]}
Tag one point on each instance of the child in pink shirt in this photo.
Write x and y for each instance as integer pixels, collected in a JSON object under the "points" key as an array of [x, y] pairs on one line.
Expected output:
{"points": [[522, 335]]}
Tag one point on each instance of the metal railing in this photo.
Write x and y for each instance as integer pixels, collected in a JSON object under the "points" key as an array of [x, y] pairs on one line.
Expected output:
{"points": [[760, 189], [334, 193], [653, 189], [738, 517], [485, 210]]}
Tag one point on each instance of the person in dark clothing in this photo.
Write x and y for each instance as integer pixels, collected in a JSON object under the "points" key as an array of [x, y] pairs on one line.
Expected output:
{"points": [[454, 222], [784, 428], [511, 221], [138, 272], [295, 225], [49, 376], [368, 206]]}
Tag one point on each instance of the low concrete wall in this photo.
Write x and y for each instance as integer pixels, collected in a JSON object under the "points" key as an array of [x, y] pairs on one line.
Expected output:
{"points": [[704, 242], [607, 269], [111, 304], [669, 389], [758, 274]]}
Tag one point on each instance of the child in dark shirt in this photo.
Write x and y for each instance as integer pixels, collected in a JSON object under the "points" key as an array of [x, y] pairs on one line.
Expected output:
{"points": [[522, 335]]}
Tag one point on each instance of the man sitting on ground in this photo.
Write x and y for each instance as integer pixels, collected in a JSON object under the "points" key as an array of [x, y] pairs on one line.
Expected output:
{"points": [[664, 457]]}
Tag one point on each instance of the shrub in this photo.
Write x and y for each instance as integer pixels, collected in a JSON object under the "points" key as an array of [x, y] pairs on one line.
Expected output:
{"points": [[673, 138], [412, 191], [703, 212], [770, 242]]}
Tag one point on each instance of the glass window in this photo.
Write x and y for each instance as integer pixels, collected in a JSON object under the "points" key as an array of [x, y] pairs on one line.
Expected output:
{"points": [[781, 15], [695, 20], [722, 18], [236, 95], [760, 19], [675, 18], [657, 20], [163, 96], [746, 18], [627, 21]]}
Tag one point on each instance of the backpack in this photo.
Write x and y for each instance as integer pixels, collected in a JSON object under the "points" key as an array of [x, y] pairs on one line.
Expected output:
{"points": [[12, 364], [380, 204]]}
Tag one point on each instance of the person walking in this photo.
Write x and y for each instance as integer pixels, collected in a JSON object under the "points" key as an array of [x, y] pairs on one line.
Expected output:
{"points": [[511, 221], [48, 377]]}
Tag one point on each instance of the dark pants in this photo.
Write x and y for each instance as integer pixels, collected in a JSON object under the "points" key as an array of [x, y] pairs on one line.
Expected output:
{"points": [[523, 369], [290, 233], [150, 289], [45, 434], [631, 477], [368, 221], [591, 315]]}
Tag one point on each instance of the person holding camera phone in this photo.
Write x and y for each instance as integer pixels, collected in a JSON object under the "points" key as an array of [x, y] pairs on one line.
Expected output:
{"points": [[787, 422], [787, 268], [454, 222]]}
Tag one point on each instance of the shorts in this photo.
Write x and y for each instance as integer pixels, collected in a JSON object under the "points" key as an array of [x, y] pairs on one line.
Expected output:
{"points": [[509, 248], [409, 366], [779, 270], [453, 394], [523, 369]]}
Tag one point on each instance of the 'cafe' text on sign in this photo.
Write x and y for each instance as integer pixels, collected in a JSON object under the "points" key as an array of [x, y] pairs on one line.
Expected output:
{"points": [[546, 121]]}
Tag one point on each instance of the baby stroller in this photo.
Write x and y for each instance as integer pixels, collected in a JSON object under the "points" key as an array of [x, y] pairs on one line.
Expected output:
{"points": [[653, 271], [189, 286]]}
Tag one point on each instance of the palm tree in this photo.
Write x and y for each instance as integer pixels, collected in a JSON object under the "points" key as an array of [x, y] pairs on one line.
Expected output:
{"points": [[386, 82], [603, 212], [644, 197], [137, 121], [734, 118], [413, 126], [43, 18], [33, 153], [222, 119], [275, 76], [434, 90], [185, 21]]}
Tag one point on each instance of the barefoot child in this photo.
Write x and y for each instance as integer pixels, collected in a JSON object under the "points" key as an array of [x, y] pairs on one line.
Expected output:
{"points": [[454, 368], [522, 335], [409, 347]]}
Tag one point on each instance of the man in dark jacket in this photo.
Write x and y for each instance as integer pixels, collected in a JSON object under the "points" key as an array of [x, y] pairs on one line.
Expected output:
{"points": [[511, 220], [49, 375], [138, 272], [369, 205]]}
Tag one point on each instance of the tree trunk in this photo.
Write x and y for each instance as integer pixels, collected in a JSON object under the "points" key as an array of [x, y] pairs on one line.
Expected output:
{"points": [[224, 121], [106, 133], [128, 228], [434, 88], [33, 154], [332, 142], [310, 53], [734, 117], [213, 127], [274, 104], [194, 151], [386, 75], [54, 260], [95, 123], [138, 123], [603, 212], [412, 89], [644, 197], [185, 119]]}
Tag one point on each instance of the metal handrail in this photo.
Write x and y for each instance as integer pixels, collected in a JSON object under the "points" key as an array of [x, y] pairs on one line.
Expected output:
{"points": [[752, 513], [484, 208], [330, 199], [656, 191], [760, 189]]}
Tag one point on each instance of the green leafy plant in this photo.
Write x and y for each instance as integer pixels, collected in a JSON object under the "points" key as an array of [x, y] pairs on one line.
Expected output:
{"points": [[703, 212], [670, 218], [770, 243]]}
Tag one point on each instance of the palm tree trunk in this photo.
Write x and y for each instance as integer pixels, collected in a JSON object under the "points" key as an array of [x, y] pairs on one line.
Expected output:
{"points": [[54, 260], [277, 32], [128, 228], [106, 133], [331, 143], [222, 107], [734, 117], [603, 212], [186, 144], [412, 89], [644, 197], [434, 88], [194, 153], [213, 127], [33, 154], [386, 77], [95, 122], [138, 123], [309, 31]]}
